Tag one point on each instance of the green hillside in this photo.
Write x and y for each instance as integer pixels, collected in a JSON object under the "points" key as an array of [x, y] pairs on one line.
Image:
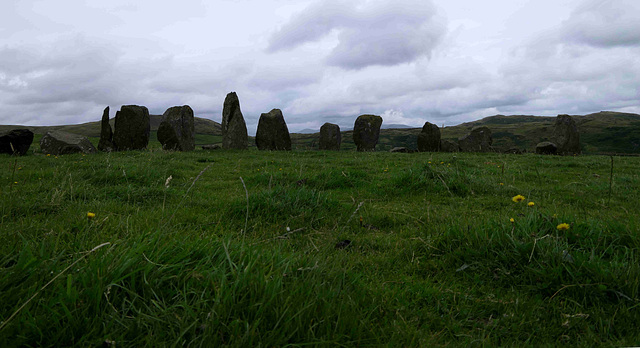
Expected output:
{"points": [[602, 132], [92, 129]]}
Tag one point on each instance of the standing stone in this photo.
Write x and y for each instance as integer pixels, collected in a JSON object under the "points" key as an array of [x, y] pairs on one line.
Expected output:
{"points": [[176, 130], [366, 132], [566, 136], [447, 145], [330, 137], [63, 143], [16, 141], [106, 134], [234, 129], [546, 148], [429, 138], [479, 140], [132, 128], [272, 133]]}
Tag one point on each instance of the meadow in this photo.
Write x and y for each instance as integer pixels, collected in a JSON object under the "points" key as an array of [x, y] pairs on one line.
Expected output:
{"points": [[314, 248]]}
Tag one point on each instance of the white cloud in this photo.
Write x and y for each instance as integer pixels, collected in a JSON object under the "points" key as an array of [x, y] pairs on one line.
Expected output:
{"points": [[380, 32], [604, 23]]}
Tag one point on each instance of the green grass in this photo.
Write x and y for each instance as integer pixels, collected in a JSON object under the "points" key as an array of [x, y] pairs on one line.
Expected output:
{"points": [[433, 259]]}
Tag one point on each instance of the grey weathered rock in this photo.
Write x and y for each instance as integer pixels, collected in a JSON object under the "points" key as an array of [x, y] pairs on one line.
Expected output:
{"points": [[566, 136], [63, 143], [176, 130], [546, 148], [234, 129], [429, 138], [366, 132], [400, 149], [106, 134], [447, 145], [479, 140], [272, 133], [16, 141], [211, 147], [132, 128], [330, 137]]}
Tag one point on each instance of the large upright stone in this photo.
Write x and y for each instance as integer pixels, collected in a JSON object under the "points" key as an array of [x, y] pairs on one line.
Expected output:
{"points": [[16, 141], [429, 138], [479, 140], [272, 133], [132, 128], [176, 130], [366, 131], [106, 134], [234, 129], [330, 137], [566, 136], [63, 143]]}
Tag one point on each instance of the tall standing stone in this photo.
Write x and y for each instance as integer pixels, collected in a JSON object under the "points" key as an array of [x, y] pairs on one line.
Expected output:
{"points": [[16, 141], [106, 134], [132, 128], [330, 137], [234, 129], [176, 130], [272, 133], [479, 140], [366, 132], [566, 136], [429, 138]]}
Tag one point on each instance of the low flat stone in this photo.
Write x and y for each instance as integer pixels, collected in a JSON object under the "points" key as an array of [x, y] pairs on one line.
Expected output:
{"points": [[211, 147], [546, 148], [16, 141], [400, 149], [63, 143], [447, 145]]}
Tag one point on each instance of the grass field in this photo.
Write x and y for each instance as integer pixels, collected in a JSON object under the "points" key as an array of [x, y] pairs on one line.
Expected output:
{"points": [[233, 248]]}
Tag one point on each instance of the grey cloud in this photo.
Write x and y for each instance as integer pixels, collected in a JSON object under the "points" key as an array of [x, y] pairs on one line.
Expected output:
{"points": [[379, 32], [604, 23]]}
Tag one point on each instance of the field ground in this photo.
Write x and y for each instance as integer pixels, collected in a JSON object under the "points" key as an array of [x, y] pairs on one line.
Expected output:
{"points": [[249, 248]]}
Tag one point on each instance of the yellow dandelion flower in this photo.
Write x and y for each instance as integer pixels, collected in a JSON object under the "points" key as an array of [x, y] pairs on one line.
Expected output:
{"points": [[512, 220], [518, 198], [563, 227], [90, 215], [530, 204], [429, 162], [501, 184], [441, 162]]}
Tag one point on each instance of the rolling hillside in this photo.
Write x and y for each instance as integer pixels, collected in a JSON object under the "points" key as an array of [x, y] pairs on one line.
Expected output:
{"points": [[92, 129], [602, 132]]}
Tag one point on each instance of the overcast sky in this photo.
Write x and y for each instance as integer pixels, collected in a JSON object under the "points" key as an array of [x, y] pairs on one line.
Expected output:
{"points": [[411, 61]]}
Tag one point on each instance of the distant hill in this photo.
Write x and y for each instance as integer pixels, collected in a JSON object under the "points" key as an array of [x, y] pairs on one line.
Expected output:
{"points": [[602, 132], [92, 129]]}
